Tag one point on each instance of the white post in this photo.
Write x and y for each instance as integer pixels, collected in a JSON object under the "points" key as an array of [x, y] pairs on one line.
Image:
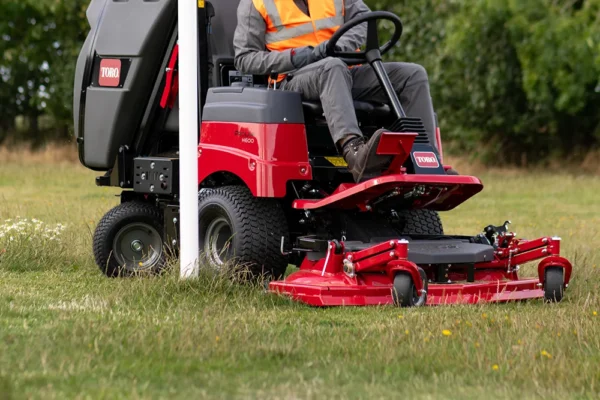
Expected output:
{"points": [[188, 137]]}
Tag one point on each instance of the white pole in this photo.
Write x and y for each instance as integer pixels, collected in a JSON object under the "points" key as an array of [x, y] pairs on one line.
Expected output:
{"points": [[188, 137]]}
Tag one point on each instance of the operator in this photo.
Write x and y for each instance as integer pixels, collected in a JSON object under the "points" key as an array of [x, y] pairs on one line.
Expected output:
{"points": [[290, 37]]}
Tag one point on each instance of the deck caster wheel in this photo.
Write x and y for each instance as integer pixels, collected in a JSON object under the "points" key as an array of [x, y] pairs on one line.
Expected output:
{"points": [[242, 232], [129, 240], [405, 293], [554, 284]]}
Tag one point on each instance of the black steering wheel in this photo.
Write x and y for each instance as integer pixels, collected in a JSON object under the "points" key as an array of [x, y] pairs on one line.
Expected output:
{"points": [[373, 51]]}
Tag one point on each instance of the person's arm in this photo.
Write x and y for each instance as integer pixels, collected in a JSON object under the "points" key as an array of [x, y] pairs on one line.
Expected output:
{"points": [[356, 37], [251, 55]]}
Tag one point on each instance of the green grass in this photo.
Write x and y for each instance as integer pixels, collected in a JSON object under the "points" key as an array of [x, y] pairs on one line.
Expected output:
{"points": [[68, 332]]}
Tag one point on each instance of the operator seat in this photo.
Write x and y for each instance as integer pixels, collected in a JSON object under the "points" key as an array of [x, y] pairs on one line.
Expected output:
{"points": [[222, 53]]}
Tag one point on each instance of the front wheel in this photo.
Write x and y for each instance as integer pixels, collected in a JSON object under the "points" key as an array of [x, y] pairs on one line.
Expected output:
{"points": [[129, 240], [242, 231]]}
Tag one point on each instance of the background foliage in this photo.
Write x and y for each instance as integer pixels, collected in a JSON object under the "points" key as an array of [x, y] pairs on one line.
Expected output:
{"points": [[511, 80]]}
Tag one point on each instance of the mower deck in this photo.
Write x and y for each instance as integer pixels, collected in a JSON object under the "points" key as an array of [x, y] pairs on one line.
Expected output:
{"points": [[312, 288], [366, 276]]}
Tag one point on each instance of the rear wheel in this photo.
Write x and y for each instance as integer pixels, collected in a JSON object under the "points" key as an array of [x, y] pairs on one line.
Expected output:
{"points": [[554, 284], [241, 231], [129, 240], [419, 222]]}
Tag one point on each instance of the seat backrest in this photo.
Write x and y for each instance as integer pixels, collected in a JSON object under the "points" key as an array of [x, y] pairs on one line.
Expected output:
{"points": [[223, 26]]}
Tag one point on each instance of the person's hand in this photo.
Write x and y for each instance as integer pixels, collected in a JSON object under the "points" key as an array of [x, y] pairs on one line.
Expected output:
{"points": [[320, 51], [303, 56]]}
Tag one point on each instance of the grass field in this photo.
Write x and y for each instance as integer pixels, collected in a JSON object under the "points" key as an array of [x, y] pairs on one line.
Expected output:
{"points": [[68, 332]]}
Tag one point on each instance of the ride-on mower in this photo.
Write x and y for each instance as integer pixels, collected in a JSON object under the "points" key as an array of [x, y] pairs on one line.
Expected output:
{"points": [[273, 190]]}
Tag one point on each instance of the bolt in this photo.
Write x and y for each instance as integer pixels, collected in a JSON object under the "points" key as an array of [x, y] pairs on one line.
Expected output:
{"points": [[161, 177], [545, 240], [152, 165], [302, 221], [174, 220], [152, 188], [545, 251], [369, 208], [144, 176], [392, 244], [174, 242], [350, 257], [392, 254], [122, 184]]}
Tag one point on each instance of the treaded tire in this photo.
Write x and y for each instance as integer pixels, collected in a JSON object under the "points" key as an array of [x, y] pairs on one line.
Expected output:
{"points": [[256, 226], [554, 284], [122, 217], [419, 222]]}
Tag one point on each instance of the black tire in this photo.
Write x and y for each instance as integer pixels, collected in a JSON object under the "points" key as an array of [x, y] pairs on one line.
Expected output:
{"points": [[128, 231], [246, 231], [404, 291], [419, 222], [554, 284]]}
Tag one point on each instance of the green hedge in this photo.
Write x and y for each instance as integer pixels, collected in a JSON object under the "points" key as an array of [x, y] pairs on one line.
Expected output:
{"points": [[511, 79]]}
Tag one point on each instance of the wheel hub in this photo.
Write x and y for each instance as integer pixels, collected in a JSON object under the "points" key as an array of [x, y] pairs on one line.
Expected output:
{"points": [[217, 245], [137, 246]]}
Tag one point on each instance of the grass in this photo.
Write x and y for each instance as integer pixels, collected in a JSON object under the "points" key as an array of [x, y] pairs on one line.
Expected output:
{"points": [[68, 332]]}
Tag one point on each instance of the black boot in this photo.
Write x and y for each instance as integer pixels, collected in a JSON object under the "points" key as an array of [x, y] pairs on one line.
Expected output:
{"points": [[362, 158]]}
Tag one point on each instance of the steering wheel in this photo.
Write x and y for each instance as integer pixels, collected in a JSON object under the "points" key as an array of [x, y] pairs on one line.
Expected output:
{"points": [[373, 51]]}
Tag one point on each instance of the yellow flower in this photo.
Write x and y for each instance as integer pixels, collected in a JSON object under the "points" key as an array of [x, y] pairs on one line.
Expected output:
{"points": [[558, 334], [476, 344], [468, 323], [495, 367], [406, 332], [217, 339], [518, 342], [595, 313], [141, 264], [575, 333], [484, 315], [546, 354], [446, 332], [400, 317]]}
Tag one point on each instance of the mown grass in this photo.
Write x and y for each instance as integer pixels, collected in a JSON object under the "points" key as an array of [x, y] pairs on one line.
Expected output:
{"points": [[68, 332]]}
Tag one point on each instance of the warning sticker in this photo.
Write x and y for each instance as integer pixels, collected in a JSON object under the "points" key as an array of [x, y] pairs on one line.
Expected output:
{"points": [[337, 161]]}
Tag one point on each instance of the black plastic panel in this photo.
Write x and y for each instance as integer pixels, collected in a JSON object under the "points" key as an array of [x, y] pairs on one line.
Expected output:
{"points": [[253, 105]]}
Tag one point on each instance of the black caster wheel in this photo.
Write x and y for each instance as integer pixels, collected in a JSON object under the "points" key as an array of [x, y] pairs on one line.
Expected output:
{"points": [[405, 293], [554, 284]]}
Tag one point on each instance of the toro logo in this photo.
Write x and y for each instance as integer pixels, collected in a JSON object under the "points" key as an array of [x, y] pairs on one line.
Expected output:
{"points": [[110, 73], [426, 159]]}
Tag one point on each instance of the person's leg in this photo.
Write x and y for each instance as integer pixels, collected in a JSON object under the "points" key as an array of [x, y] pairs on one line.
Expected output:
{"points": [[410, 83], [330, 81]]}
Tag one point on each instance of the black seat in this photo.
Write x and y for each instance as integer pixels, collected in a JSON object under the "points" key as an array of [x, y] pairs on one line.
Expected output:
{"points": [[363, 109]]}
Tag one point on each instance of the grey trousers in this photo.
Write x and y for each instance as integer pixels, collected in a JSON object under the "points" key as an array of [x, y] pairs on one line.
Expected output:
{"points": [[335, 85]]}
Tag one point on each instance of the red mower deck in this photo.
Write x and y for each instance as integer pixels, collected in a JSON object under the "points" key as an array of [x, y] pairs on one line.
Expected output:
{"points": [[366, 277]]}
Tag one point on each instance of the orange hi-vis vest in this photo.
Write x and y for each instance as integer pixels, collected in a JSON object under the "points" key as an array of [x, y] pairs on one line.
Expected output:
{"points": [[288, 27]]}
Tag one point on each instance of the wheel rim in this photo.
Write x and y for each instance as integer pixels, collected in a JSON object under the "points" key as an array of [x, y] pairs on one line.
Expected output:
{"points": [[137, 247], [217, 245]]}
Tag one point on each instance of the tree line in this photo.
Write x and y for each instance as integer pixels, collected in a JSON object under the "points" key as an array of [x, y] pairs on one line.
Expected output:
{"points": [[511, 80]]}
